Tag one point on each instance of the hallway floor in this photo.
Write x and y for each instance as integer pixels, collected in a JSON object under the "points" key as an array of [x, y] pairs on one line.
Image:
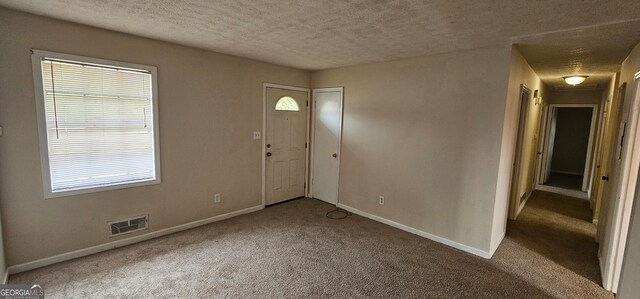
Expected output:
{"points": [[554, 232], [292, 250], [566, 181]]}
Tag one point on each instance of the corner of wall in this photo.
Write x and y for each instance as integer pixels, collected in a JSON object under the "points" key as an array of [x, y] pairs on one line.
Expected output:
{"points": [[520, 72], [503, 178]]}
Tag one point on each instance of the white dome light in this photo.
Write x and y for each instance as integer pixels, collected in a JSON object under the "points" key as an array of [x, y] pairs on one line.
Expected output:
{"points": [[574, 80]]}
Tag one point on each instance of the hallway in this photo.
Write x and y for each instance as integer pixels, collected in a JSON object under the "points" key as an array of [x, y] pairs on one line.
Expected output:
{"points": [[552, 243]]}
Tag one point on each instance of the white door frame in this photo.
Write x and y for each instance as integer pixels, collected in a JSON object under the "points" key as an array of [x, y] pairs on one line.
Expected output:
{"points": [[542, 142], [598, 150], [625, 191], [313, 135], [264, 135], [592, 130], [515, 206]]}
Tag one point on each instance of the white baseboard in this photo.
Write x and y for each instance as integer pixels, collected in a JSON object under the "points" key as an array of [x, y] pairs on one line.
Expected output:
{"points": [[5, 279], [124, 242], [418, 232], [567, 172]]}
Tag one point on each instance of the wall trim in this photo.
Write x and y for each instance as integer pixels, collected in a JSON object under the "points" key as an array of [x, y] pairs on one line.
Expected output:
{"points": [[124, 242], [601, 263], [567, 172], [5, 278], [501, 238], [465, 248], [523, 203]]}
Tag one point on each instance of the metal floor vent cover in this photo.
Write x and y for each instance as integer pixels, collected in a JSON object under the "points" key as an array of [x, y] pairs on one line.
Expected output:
{"points": [[130, 225]]}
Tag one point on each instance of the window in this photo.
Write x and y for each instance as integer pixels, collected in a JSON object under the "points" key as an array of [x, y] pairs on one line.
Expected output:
{"points": [[97, 122], [287, 104]]}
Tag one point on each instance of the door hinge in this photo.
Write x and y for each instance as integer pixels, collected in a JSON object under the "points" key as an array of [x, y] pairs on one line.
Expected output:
{"points": [[307, 103], [305, 145], [305, 185]]}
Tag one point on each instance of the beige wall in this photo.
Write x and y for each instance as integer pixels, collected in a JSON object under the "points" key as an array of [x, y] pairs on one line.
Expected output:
{"points": [[631, 269], [574, 97], [519, 73], [209, 105], [3, 262], [425, 133], [629, 287]]}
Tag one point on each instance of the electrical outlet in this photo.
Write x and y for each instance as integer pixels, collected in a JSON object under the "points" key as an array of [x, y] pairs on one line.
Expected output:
{"points": [[381, 200], [216, 198], [257, 135]]}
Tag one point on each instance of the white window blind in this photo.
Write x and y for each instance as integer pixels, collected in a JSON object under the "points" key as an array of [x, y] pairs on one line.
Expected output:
{"points": [[99, 125]]}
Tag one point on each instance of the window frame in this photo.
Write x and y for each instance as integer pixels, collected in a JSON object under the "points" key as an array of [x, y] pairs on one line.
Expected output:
{"points": [[295, 102], [43, 143]]}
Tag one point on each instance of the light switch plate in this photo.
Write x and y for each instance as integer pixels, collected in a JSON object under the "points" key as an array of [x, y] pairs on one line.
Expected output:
{"points": [[257, 135]]}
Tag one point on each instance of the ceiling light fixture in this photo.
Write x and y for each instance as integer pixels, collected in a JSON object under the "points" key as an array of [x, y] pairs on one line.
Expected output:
{"points": [[574, 80]]}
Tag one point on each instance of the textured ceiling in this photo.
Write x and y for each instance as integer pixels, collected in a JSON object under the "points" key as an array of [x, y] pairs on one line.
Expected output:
{"points": [[595, 51], [331, 33]]}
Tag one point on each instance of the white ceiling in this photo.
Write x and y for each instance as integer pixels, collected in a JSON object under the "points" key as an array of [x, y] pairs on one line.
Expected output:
{"points": [[557, 37]]}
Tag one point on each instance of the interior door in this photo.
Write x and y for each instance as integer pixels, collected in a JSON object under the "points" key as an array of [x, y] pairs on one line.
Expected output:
{"points": [[285, 140], [326, 149], [611, 232], [613, 163]]}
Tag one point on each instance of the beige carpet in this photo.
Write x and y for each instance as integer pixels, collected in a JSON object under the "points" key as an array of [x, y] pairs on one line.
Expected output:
{"points": [[292, 250]]}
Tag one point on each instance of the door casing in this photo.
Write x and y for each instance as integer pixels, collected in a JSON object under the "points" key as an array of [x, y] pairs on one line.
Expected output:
{"points": [[547, 150], [523, 114], [264, 136]]}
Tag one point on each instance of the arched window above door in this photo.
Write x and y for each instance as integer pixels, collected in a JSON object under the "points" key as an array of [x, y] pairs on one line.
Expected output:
{"points": [[287, 103]]}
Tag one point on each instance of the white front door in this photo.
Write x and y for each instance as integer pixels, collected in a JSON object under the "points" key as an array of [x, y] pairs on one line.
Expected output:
{"points": [[286, 132], [326, 149]]}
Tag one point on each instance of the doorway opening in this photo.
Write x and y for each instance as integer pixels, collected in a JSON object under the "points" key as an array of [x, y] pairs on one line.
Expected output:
{"points": [[567, 153]]}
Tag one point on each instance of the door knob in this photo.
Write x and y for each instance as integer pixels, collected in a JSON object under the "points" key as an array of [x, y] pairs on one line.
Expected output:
{"points": [[335, 155], [605, 177], [268, 154]]}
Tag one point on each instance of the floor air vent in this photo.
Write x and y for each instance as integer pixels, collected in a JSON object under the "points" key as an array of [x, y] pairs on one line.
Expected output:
{"points": [[122, 227]]}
